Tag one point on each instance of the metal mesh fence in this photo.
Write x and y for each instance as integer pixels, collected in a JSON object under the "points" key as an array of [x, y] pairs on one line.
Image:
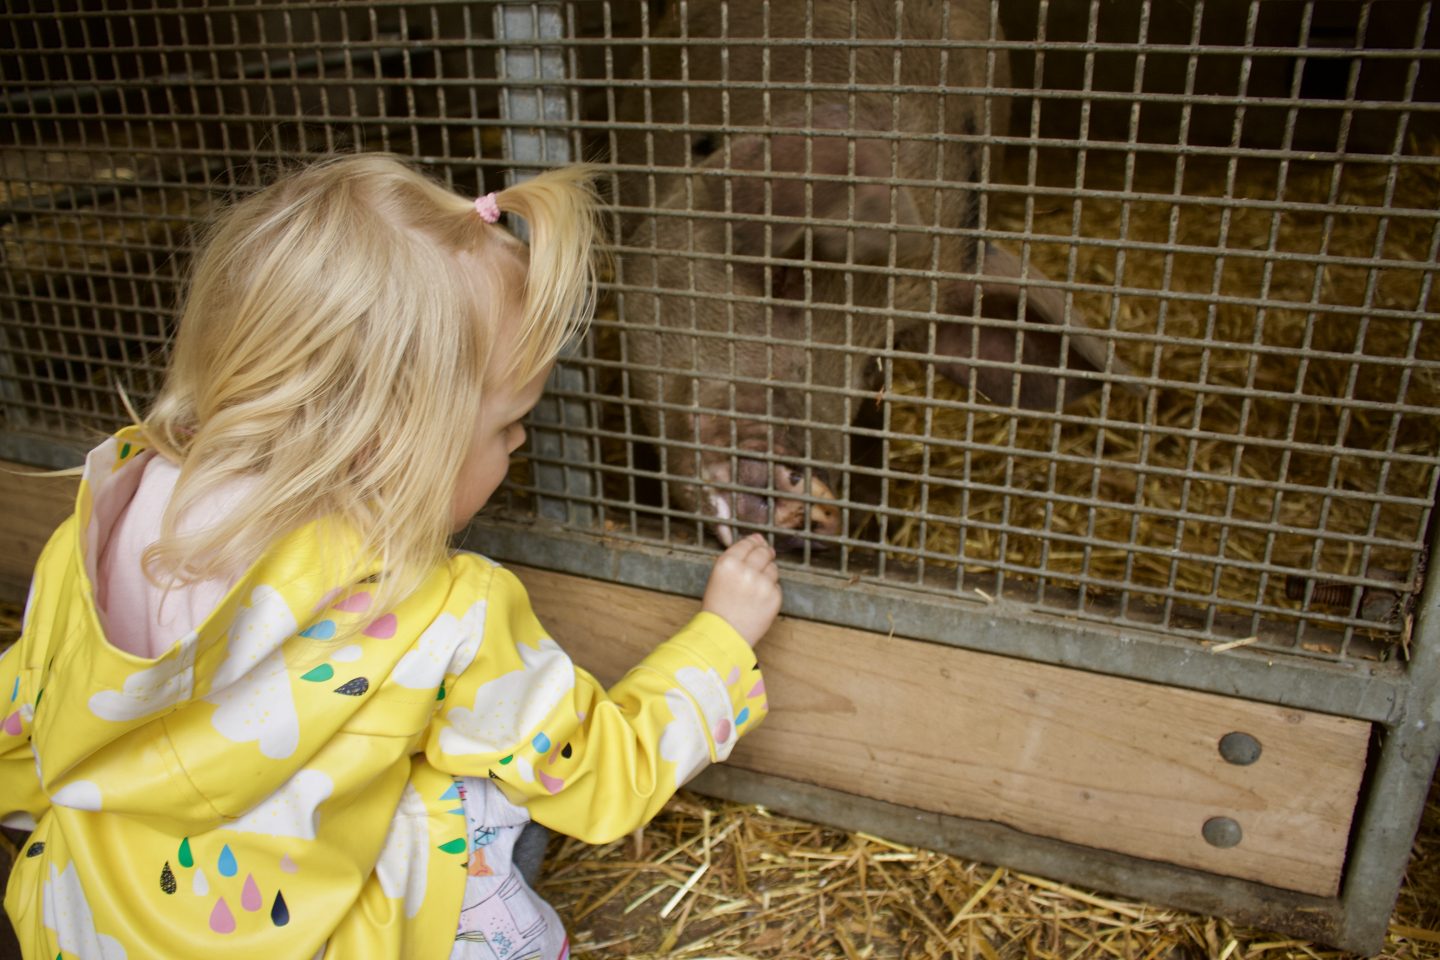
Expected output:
{"points": [[1119, 310]]}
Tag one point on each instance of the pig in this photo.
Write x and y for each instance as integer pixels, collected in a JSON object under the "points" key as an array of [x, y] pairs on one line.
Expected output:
{"points": [[769, 229]]}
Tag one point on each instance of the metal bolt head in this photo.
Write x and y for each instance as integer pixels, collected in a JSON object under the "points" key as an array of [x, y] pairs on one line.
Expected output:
{"points": [[1221, 832], [1239, 748]]}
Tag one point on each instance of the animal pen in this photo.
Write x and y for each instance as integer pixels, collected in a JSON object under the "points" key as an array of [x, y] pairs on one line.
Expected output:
{"points": [[1113, 573]]}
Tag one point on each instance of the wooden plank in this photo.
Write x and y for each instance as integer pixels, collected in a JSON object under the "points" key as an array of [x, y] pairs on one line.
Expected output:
{"points": [[34, 507], [1093, 760], [1099, 761]]}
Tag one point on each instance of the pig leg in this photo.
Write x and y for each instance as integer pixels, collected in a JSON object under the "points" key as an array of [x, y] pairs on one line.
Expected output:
{"points": [[1035, 343]]}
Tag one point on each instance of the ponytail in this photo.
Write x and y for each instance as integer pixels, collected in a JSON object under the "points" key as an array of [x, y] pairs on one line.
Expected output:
{"points": [[562, 210]]}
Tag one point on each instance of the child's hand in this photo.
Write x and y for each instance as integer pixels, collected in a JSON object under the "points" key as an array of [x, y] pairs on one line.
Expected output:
{"points": [[744, 588]]}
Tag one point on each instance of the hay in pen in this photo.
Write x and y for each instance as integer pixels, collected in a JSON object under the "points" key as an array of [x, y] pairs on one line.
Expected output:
{"points": [[1235, 386], [712, 879]]}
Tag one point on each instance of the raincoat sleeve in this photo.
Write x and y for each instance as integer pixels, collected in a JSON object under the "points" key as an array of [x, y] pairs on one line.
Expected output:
{"points": [[592, 763], [21, 799]]}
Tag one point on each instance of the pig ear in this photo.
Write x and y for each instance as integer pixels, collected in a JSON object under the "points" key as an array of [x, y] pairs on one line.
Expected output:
{"points": [[1036, 342], [779, 184]]}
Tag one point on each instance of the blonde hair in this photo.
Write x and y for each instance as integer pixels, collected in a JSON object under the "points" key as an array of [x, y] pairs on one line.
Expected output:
{"points": [[333, 345]]}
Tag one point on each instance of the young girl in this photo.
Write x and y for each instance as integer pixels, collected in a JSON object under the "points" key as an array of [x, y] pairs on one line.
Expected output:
{"points": [[258, 708]]}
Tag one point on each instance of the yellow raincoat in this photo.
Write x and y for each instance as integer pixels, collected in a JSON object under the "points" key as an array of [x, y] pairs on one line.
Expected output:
{"points": [[276, 783]]}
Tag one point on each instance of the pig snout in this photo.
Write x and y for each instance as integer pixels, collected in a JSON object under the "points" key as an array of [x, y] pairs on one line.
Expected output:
{"points": [[771, 500]]}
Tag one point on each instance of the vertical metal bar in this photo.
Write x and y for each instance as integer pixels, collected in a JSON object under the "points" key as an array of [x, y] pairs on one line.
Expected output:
{"points": [[1372, 280], [848, 513], [626, 397], [1400, 780], [472, 88], [561, 425], [691, 305], [589, 438], [12, 397], [377, 73], [665, 454], [883, 511], [927, 412], [12, 394], [357, 132], [442, 105], [1282, 469], [1212, 310], [689, 117], [1137, 87], [523, 28], [1162, 318], [1346, 411]]}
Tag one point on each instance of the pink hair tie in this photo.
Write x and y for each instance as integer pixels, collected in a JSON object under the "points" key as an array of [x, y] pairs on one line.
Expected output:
{"points": [[488, 209]]}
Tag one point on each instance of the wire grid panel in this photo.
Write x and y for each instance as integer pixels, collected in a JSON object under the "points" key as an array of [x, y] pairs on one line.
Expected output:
{"points": [[1116, 312], [124, 127], [1123, 314]]}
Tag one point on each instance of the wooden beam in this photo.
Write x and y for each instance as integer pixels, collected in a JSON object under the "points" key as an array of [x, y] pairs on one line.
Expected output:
{"points": [[34, 507], [1092, 760]]}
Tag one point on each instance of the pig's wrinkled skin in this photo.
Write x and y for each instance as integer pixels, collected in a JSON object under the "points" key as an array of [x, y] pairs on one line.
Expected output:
{"points": [[737, 180]]}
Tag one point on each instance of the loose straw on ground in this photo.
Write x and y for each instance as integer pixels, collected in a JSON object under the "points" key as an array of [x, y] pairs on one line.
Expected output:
{"points": [[743, 882]]}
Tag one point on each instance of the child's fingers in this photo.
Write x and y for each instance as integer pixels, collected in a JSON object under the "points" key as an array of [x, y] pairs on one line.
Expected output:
{"points": [[749, 551], [761, 554], [763, 558], [756, 543], [762, 561], [744, 587], [749, 558], [760, 548]]}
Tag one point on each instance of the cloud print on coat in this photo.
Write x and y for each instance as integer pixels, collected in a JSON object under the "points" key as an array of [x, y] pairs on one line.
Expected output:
{"points": [[291, 810], [67, 912], [683, 741], [251, 688], [153, 689], [447, 646], [405, 859], [713, 699], [78, 795], [511, 706]]}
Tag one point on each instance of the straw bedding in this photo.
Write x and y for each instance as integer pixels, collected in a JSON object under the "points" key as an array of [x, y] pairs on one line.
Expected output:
{"points": [[710, 879], [1237, 445]]}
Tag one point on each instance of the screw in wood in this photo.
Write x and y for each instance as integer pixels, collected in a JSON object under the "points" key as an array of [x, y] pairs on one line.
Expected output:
{"points": [[1221, 832]]}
